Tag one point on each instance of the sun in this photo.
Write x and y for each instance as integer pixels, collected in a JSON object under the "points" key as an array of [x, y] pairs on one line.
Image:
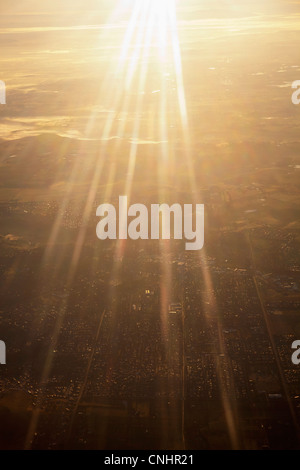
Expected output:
{"points": [[142, 91], [158, 11], [152, 25], [149, 56]]}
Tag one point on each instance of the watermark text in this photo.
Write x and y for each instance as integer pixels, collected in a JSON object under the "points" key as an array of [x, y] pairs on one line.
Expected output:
{"points": [[133, 222]]}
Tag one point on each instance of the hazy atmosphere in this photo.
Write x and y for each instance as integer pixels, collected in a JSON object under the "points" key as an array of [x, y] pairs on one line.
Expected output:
{"points": [[139, 343]]}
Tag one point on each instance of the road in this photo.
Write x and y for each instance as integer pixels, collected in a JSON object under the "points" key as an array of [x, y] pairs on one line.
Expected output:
{"points": [[278, 361], [183, 373], [85, 377], [274, 347]]}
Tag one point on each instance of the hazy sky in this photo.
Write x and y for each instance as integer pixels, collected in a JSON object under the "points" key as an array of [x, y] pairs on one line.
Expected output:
{"points": [[213, 6], [237, 73]]}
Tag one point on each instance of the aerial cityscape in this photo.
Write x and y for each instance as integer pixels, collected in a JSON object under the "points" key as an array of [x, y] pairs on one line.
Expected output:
{"points": [[173, 337]]}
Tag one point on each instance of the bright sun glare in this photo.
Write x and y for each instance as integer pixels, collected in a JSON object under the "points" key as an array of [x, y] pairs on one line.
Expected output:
{"points": [[152, 29]]}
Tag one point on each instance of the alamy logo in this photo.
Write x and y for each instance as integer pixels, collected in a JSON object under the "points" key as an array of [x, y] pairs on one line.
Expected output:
{"points": [[296, 354], [2, 352], [2, 92], [161, 216], [296, 94]]}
